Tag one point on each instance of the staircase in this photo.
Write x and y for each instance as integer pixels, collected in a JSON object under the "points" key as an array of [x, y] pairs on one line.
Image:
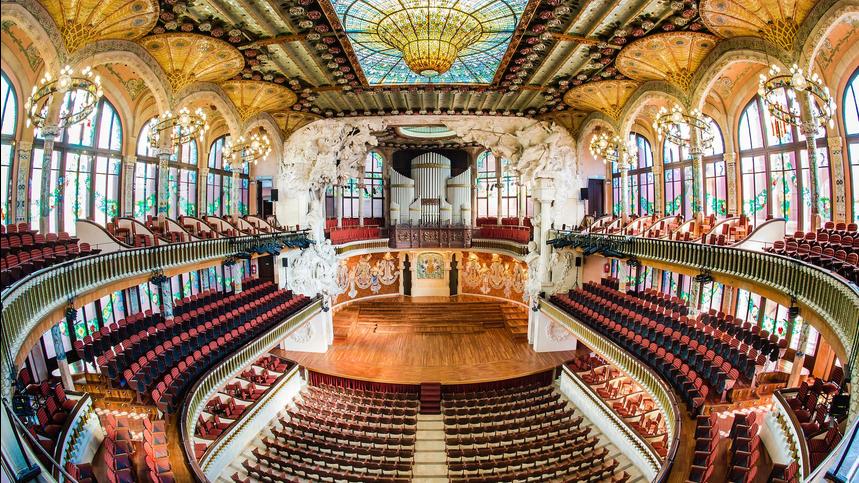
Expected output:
{"points": [[516, 321], [430, 465], [430, 398]]}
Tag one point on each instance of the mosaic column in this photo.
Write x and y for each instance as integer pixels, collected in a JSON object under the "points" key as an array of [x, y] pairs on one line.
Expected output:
{"points": [[498, 199], [658, 183], [546, 193], [523, 207], [49, 133], [23, 154], [235, 191], [624, 192], [734, 201], [62, 363], [163, 181], [166, 299], [128, 164], [836, 163], [201, 201], [808, 128], [799, 358], [694, 297], [238, 271], [697, 154]]}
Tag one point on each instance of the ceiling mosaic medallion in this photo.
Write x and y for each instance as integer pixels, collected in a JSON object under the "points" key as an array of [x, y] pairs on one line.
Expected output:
{"points": [[774, 20], [253, 97], [608, 96], [291, 121], [429, 41], [672, 57], [84, 21], [188, 58]]}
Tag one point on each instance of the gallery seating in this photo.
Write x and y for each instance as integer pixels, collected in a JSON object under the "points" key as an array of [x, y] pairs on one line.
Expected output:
{"points": [[25, 251]]}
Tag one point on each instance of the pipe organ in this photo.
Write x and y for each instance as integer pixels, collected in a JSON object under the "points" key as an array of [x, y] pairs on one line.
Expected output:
{"points": [[431, 196]]}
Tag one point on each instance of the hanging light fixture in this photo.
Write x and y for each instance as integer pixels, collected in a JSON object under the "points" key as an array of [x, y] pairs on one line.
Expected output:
{"points": [[612, 149], [255, 148], [83, 87], [677, 126], [430, 36], [780, 94], [180, 127]]}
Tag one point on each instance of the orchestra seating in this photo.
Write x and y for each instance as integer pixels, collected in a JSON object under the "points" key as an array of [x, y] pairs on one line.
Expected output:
{"points": [[520, 433], [156, 452], [346, 234], [834, 247], [728, 232], [25, 251], [696, 358], [708, 451], [518, 234], [340, 434], [118, 450]]}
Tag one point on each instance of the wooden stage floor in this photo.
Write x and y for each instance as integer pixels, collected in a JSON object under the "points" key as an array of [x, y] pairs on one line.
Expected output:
{"points": [[406, 340]]}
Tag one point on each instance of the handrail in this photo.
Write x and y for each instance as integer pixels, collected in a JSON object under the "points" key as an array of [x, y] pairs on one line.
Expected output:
{"points": [[208, 384], [636, 370], [20, 429], [829, 296], [29, 300], [492, 244], [787, 418], [633, 440]]}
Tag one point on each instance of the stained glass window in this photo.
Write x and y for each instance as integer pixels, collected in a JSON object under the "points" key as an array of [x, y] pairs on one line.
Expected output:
{"points": [[851, 127], [487, 194], [9, 109], [678, 178], [715, 175], [374, 190], [773, 183], [383, 64], [219, 183], [641, 196]]}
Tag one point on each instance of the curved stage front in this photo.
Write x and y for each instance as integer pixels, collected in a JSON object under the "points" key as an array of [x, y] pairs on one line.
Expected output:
{"points": [[410, 340]]}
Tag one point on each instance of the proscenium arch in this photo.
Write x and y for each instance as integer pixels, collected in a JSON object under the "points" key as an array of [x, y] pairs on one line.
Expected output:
{"points": [[46, 38], [837, 12], [130, 53], [213, 94]]}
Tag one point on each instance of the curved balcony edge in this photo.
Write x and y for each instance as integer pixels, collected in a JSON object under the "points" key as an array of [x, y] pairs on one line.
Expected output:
{"points": [[641, 374], [208, 384]]}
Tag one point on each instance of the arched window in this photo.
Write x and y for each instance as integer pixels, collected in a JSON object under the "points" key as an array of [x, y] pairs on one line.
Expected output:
{"points": [[487, 178], [641, 177], [715, 177], [851, 127], [677, 164], [374, 191], [217, 194], [89, 157], [145, 178], [772, 185], [9, 108]]}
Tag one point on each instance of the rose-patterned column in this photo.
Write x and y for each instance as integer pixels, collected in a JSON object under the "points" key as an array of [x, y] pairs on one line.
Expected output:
{"points": [[734, 202], [128, 164], [163, 181], [62, 363], [49, 134], [836, 163], [697, 153], [202, 181], [809, 129], [658, 183], [235, 191], [23, 154], [166, 298]]}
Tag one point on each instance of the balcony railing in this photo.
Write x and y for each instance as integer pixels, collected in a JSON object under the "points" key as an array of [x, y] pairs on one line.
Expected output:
{"points": [[831, 298]]}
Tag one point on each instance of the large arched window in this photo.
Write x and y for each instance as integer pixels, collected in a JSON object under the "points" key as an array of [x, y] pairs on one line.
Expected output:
{"points": [[219, 182], [772, 184], [715, 177], [487, 166], [374, 192], [89, 157], [641, 177], [677, 164], [851, 128], [9, 108], [181, 179], [145, 178]]}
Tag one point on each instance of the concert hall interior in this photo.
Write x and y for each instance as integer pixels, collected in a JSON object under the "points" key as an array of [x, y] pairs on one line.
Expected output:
{"points": [[429, 240]]}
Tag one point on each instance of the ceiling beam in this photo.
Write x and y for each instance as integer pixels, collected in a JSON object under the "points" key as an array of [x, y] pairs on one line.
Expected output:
{"points": [[279, 39]]}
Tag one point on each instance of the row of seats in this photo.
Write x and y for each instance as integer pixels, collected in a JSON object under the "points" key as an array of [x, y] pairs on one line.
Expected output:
{"points": [[25, 251], [342, 434], [745, 449], [118, 450], [346, 234], [518, 234], [156, 453], [266, 312], [518, 434], [508, 221], [834, 247], [332, 222], [52, 407]]}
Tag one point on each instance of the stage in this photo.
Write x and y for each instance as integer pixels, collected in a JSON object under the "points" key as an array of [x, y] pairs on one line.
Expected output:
{"points": [[405, 340]]}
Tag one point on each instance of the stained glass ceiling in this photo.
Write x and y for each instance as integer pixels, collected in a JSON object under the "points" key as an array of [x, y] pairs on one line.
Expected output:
{"points": [[384, 65]]}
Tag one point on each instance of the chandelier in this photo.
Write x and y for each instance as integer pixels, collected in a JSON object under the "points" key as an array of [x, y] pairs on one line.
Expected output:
{"points": [[677, 127], [780, 94], [83, 89], [610, 149], [181, 127], [430, 37], [256, 148]]}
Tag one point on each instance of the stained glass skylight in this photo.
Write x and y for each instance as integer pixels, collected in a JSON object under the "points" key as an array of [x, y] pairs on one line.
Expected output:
{"points": [[384, 65]]}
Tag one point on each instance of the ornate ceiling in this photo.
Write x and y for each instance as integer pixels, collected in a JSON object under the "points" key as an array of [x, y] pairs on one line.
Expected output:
{"points": [[330, 58]]}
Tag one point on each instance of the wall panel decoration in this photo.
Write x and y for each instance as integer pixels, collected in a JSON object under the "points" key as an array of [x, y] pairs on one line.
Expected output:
{"points": [[493, 274], [367, 276]]}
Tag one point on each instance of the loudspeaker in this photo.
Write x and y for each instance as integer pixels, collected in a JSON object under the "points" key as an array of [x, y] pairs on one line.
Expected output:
{"points": [[274, 195], [583, 194], [578, 261], [284, 262]]}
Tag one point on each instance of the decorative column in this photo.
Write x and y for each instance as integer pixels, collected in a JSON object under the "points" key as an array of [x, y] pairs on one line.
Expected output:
{"points": [[235, 190], [163, 154], [49, 134], [62, 363], [201, 201], [522, 204], [474, 191], [624, 191], [238, 272], [733, 204], [166, 298], [808, 128], [836, 163], [338, 204], [697, 153], [622, 275], [694, 297], [799, 358], [361, 188], [658, 183], [498, 200], [538, 214], [546, 193], [23, 154], [128, 164]]}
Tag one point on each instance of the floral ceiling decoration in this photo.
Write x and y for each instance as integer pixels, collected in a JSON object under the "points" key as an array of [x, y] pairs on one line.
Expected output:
{"points": [[773, 20], [672, 57], [607, 96], [253, 97], [82, 22], [188, 58]]}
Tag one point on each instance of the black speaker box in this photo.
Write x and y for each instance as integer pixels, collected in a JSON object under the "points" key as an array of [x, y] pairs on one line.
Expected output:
{"points": [[583, 194], [274, 195]]}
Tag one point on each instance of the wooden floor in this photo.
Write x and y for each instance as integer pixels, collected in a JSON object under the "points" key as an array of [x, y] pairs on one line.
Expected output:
{"points": [[406, 340]]}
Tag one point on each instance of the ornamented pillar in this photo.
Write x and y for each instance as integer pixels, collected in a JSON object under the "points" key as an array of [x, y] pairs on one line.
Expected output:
{"points": [[498, 200], [694, 297], [622, 275], [545, 191], [201, 201], [658, 183], [624, 192], [523, 206], [49, 134], [62, 363], [836, 163], [474, 191], [23, 154], [733, 204], [538, 214], [338, 204], [163, 181], [808, 128], [799, 358], [238, 269], [166, 298], [697, 153], [128, 164], [235, 190], [361, 188]]}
